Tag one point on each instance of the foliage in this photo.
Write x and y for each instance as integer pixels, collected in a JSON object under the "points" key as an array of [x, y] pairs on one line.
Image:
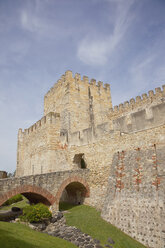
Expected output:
{"points": [[21, 236], [13, 199], [11, 174], [35, 213], [20, 204], [88, 220]]}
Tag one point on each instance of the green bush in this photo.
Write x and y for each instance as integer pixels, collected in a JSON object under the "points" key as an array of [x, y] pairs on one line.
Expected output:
{"points": [[13, 199], [35, 213]]}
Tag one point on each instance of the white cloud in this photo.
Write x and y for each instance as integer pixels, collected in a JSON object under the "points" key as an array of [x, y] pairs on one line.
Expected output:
{"points": [[94, 53], [140, 71], [148, 68], [30, 22], [32, 19], [146, 73], [97, 51], [144, 76]]}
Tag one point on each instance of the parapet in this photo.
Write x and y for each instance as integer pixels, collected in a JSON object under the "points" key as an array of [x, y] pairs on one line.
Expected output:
{"points": [[50, 118], [86, 136], [139, 101], [68, 77]]}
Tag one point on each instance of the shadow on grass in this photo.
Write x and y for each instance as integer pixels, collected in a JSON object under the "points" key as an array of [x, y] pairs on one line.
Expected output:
{"points": [[66, 206], [8, 241]]}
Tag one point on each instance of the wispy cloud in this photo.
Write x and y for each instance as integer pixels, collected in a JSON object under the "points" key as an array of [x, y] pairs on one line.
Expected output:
{"points": [[148, 67], [146, 72], [30, 17], [30, 22], [96, 51], [139, 71], [35, 20]]}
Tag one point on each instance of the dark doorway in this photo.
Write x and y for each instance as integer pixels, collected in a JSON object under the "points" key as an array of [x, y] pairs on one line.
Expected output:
{"points": [[79, 160]]}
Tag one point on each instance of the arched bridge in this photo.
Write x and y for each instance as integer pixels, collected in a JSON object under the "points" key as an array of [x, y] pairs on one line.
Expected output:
{"points": [[48, 188]]}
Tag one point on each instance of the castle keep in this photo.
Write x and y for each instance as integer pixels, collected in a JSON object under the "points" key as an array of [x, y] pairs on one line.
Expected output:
{"points": [[122, 147]]}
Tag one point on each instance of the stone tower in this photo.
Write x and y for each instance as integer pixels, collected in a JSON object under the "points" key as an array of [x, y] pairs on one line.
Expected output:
{"points": [[72, 106], [121, 147], [81, 104]]}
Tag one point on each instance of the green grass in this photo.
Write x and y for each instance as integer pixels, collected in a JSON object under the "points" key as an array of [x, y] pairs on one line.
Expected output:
{"points": [[88, 220], [66, 206], [20, 204], [15, 198], [20, 236]]}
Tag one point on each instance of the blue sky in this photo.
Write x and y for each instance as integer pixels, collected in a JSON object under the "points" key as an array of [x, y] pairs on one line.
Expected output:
{"points": [[121, 42]]}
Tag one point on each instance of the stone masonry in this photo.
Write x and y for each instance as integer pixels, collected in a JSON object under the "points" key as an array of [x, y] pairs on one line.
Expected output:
{"points": [[119, 149], [48, 188], [135, 197]]}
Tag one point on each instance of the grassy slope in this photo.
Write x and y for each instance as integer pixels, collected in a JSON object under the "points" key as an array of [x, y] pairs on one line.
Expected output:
{"points": [[20, 236], [89, 221], [20, 204], [83, 217]]}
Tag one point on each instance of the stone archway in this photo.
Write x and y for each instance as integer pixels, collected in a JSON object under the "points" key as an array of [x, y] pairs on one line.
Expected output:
{"points": [[77, 189], [33, 193]]}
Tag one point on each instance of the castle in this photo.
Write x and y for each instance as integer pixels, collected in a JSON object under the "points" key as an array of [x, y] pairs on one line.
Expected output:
{"points": [[123, 147]]}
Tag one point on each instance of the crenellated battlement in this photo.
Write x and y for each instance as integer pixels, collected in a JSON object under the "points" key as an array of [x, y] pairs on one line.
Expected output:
{"points": [[50, 118], [80, 131], [85, 136], [69, 78], [81, 102], [139, 101]]}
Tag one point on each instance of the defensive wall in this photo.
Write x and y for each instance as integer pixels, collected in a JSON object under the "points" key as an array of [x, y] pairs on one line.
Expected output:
{"points": [[3, 174], [146, 100], [80, 124], [100, 158], [39, 149], [135, 198]]}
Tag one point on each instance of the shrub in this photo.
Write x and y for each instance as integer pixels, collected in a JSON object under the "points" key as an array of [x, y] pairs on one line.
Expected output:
{"points": [[13, 199], [35, 213]]}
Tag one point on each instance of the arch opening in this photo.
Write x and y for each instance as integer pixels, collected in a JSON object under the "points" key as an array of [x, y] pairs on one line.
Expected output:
{"points": [[74, 193], [33, 193], [35, 198]]}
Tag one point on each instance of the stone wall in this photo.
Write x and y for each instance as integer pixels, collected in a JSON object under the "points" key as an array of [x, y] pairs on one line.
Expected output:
{"points": [[145, 118], [135, 199], [73, 108], [144, 101], [47, 188], [3, 174], [39, 149], [88, 127], [99, 155], [81, 104]]}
